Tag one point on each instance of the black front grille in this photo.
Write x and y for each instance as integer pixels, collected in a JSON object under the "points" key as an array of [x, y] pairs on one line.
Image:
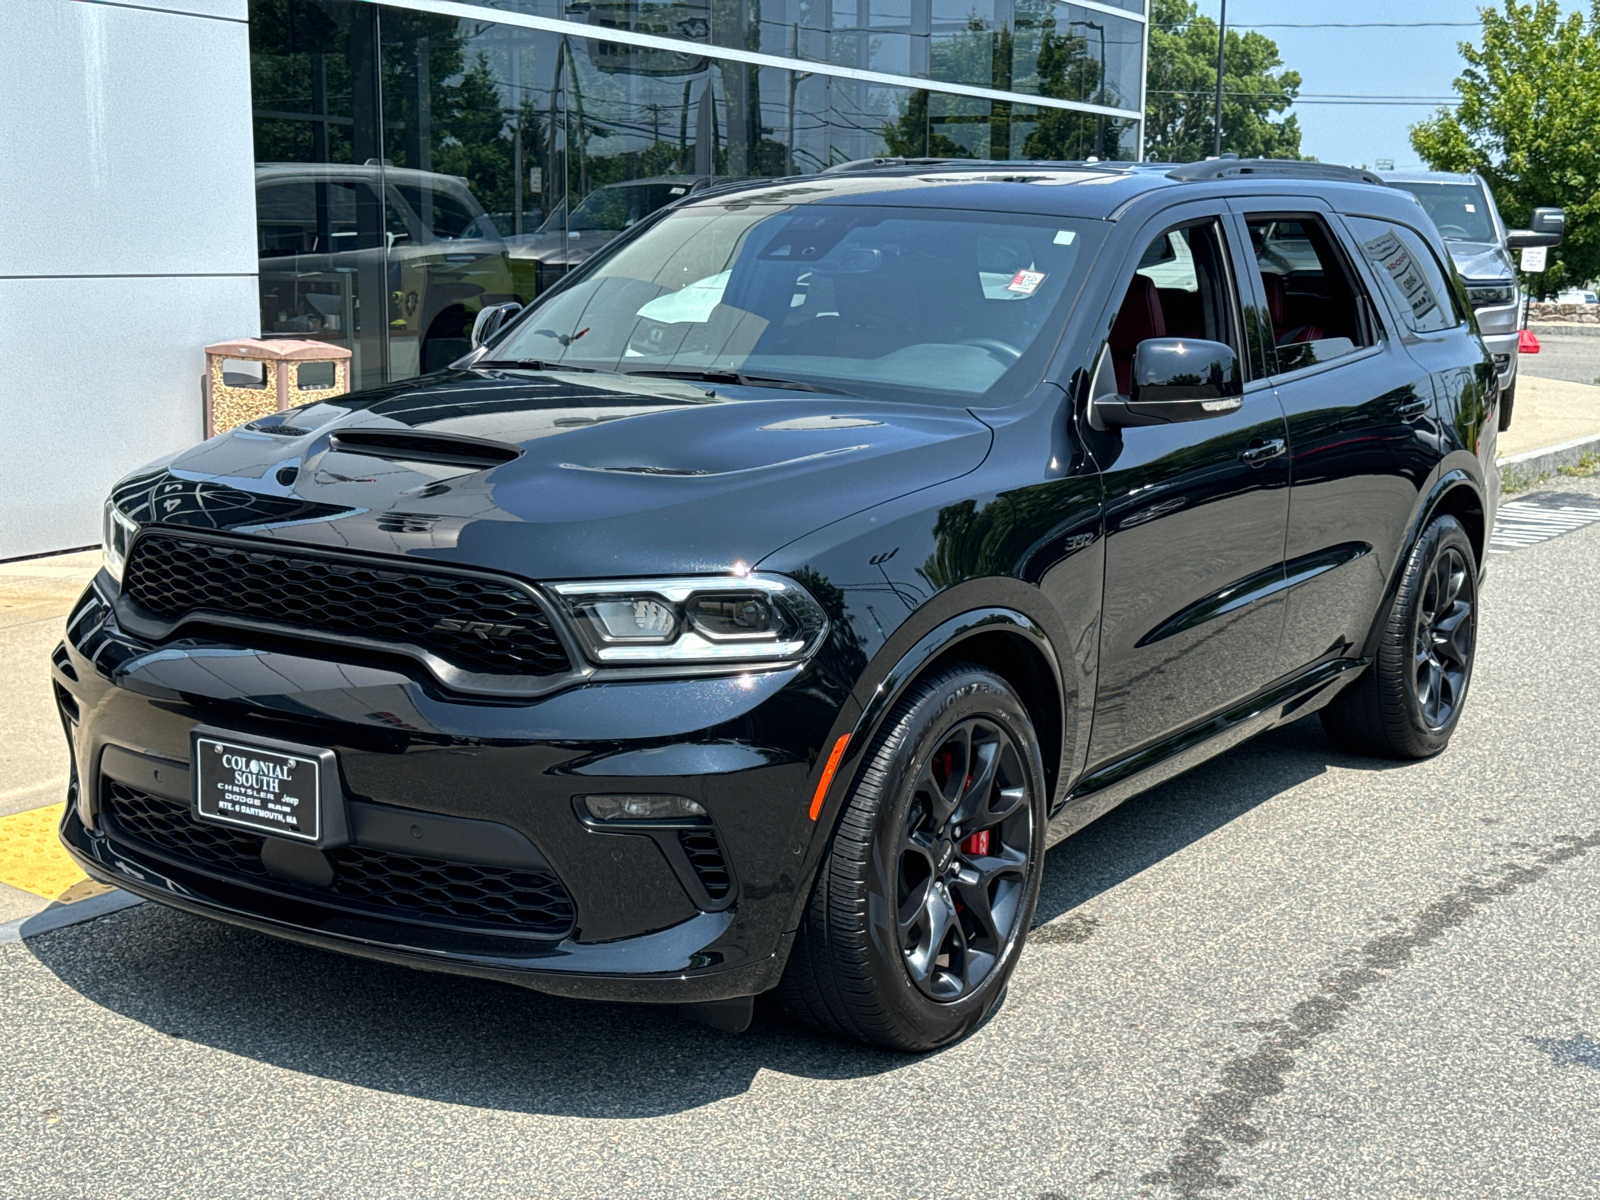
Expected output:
{"points": [[167, 824], [705, 856], [531, 900], [520, 898], [479, 625]]}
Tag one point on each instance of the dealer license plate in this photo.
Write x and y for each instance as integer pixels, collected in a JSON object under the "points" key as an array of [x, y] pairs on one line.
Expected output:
{"points": [[251, 787]]}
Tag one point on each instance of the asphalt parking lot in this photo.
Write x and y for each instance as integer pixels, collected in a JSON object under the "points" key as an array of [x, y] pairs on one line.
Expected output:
{"points": [[1288, 973], [1574, 357]]}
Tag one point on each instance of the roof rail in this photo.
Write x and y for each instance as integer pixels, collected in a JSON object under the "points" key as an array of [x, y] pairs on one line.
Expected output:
{"points": [[1230, 167], [988, 164], [873, 164]]}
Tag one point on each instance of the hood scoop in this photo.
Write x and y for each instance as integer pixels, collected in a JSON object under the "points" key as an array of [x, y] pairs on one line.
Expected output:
{"points": [[401, 445]]}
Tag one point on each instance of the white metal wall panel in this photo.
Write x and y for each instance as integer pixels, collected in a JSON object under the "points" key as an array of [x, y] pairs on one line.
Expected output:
{"points": [[100, 377], [127, 243]]}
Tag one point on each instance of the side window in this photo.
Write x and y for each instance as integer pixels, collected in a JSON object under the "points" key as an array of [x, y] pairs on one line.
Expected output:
{"points": [[444, 215], [1411, 274], [1180, 288], [306, 217], [1317, 306]]}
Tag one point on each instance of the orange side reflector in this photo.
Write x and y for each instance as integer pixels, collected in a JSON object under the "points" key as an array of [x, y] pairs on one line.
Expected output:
{"points": [[827, 775]]}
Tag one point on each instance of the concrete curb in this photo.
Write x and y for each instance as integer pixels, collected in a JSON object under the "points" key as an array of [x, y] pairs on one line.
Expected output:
{"points": [[67, 914], [1543, 329], [1533, 465]]}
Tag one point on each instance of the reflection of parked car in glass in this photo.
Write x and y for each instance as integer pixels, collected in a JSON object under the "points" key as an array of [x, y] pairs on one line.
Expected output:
{"points": [[416, 244], [1480, 246], [564, 240]]}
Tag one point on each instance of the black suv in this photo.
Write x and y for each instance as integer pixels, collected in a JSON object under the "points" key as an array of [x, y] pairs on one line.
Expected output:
{"points": [[755, 610]]}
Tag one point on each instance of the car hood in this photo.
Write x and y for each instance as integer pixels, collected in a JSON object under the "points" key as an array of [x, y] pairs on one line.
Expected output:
{"points": [[561, 249], [613, 476], [1481, 260]]}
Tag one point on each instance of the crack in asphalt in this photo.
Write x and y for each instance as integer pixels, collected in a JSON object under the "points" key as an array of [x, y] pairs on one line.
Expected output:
{"points": [[1227, 1114]]}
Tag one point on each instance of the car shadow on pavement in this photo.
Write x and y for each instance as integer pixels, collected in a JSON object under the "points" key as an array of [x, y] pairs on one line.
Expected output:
{"points": [[490, 1045], [1168, 818]]}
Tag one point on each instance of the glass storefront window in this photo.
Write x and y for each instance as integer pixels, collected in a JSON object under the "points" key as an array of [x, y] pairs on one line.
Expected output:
{"points": [[320, 209], [413, 168]]}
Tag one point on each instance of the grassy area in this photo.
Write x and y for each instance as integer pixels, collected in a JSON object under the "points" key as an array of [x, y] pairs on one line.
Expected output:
{"points": [[1513, 482]]}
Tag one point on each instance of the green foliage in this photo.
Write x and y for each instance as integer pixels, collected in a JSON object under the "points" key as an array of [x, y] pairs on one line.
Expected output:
{"points": [[1037, 58], [1529, 123], [1180, 92]]}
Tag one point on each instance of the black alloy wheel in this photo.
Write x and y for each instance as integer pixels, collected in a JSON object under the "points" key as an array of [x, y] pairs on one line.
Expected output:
{"points": [[964, 847], [1408, 702], [1445, 621], [923, 900]]}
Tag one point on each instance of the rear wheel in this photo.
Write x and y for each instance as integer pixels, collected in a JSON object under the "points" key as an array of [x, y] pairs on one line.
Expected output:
{"points": [[922, 904], [1409, 700]]}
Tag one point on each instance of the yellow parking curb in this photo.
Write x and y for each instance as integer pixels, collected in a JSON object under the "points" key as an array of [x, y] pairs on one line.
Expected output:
{"points": [[33, 859]]}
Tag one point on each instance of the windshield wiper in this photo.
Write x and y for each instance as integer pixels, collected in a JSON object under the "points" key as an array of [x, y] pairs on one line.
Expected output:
{"points": [[530, 364], [716, 375]]}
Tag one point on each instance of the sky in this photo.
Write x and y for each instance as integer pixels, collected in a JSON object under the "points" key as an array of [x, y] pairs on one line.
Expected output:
{"points": [[1337, 64]]}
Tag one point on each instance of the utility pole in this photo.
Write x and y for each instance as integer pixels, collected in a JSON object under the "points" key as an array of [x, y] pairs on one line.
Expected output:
{"points": [[1222, 42]]}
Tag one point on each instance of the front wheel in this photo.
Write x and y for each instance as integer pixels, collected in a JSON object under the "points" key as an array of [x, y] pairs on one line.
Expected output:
{"points": [[922, 904], [1409, 700]]}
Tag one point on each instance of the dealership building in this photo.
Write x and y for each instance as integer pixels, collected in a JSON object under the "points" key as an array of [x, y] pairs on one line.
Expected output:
{"points": [[174, 173]]}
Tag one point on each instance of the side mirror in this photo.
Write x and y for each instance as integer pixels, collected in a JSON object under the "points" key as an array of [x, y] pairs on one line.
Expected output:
{"points": [[491, 320], [1547, 227], [1177, 379]]}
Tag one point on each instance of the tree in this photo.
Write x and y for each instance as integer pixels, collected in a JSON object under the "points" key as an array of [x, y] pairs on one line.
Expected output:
{"points": [[1529, 123], [1180, 95]]}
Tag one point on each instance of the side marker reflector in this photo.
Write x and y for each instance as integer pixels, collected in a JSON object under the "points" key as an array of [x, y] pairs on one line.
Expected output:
{"points": [[827, 775]]}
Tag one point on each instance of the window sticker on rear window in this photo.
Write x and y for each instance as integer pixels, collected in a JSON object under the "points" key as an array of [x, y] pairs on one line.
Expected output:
{"points": [[1025, 283]]}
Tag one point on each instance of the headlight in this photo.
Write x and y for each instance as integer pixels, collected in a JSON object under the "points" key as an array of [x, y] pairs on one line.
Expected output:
{"points": [[1485, 294], [116, 535], [700, 620]]}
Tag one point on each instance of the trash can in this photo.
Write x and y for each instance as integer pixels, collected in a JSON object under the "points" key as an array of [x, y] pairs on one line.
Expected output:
{"points": [[237, 390]]}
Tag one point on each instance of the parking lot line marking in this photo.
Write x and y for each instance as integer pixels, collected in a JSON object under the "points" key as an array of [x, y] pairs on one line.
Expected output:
{"points": [[33, 859], [1524, 523]]}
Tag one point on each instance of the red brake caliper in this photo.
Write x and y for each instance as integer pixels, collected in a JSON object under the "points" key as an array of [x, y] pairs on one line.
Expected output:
{"points": [[976, 843]]}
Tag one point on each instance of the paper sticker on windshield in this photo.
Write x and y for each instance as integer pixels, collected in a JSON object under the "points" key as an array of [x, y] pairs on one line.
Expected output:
{"points": [[1064, 237], [1025, 283]]}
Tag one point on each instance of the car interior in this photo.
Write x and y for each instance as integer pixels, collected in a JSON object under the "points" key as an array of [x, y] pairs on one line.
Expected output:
{"points": [[1178, 290], [1312, 300]]}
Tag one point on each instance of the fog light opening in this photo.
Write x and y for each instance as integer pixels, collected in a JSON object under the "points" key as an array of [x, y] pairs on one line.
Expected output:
{"points": [[614, 809]]}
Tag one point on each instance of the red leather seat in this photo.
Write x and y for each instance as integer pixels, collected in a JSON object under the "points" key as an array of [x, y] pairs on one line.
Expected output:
{"points": [[1277, 307], [1139, 318]]}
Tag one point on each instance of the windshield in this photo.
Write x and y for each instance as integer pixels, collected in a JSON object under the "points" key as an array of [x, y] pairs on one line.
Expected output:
{"points": [[909, 304], [1460, 210]]}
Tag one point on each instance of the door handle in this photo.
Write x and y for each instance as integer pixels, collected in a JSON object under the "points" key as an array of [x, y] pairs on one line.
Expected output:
{"points": [[1259, 451], [1411, 408]]}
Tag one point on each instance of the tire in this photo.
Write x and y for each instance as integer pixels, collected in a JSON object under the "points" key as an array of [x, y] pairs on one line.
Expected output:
{"points": [[1508, 400], [858, 970], [1407, 703]]}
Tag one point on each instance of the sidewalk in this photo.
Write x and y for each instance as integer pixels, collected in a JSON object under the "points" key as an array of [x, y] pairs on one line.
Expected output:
{"points": [[35, 597], [1549, 412]]}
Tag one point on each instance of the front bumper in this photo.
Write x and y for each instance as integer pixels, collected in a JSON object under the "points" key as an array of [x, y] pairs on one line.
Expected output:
{"points": [[642, 924], [1499, 329]]}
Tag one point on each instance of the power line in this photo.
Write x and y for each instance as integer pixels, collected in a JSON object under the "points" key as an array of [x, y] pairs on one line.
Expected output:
{"points": [[1324, 24]]}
